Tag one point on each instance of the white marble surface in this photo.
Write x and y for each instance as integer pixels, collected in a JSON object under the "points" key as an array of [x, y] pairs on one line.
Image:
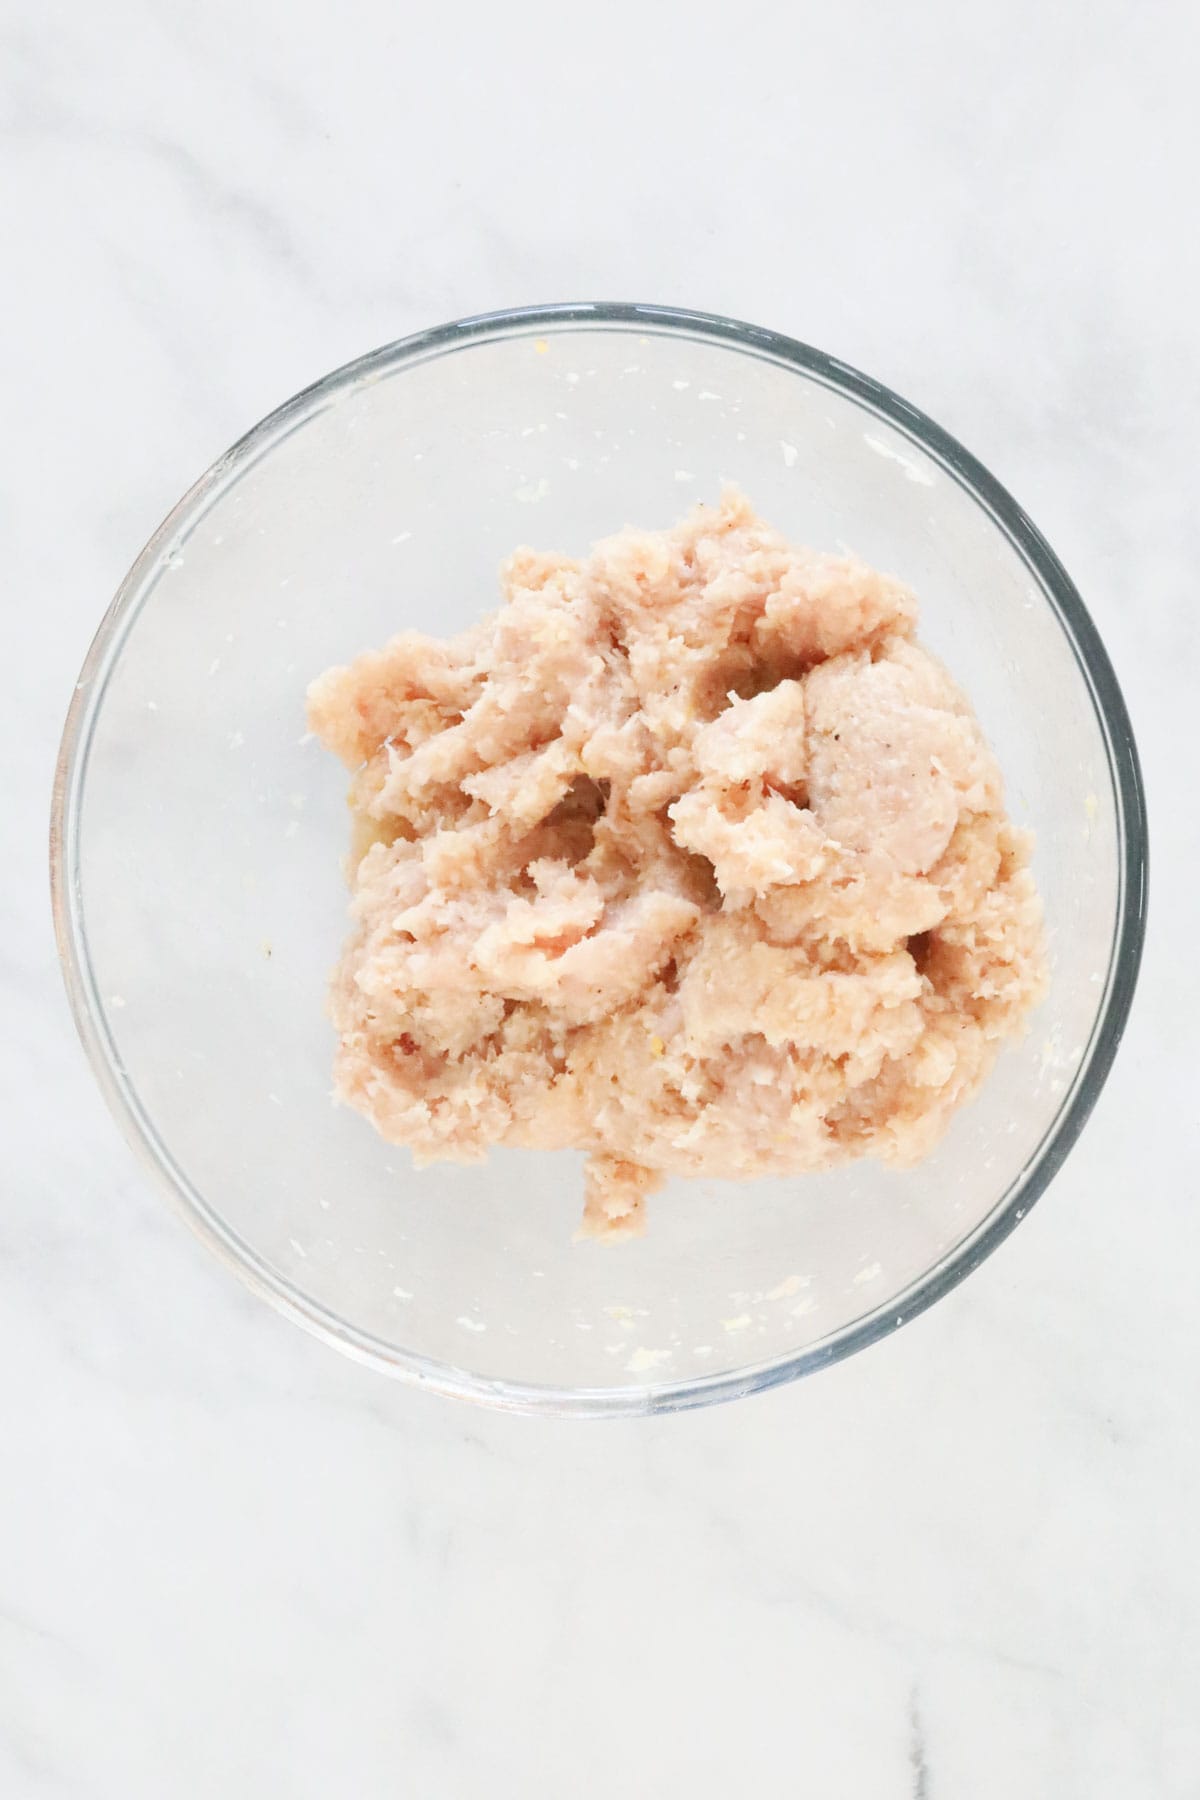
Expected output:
{"points": [[960, 1567]]}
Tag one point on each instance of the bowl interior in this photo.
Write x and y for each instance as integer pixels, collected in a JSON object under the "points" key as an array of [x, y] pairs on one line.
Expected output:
{"points": [[203, 833]]}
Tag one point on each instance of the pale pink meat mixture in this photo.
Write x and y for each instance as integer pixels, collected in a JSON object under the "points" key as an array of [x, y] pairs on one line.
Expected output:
{"points": [[689, 856]]}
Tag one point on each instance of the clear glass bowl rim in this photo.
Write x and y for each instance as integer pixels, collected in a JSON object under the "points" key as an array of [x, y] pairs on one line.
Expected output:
{"points": [[1128, 795]]}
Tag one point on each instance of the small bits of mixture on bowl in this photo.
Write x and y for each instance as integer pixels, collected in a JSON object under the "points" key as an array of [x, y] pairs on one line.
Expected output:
{"points": [[689, 857]]}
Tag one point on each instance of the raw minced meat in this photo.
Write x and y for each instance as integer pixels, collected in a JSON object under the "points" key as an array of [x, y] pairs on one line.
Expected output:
{"points": [[689, 856]]}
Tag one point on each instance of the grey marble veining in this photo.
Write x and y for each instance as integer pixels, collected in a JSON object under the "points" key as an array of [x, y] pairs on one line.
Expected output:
{"points": [[959, 1567]]}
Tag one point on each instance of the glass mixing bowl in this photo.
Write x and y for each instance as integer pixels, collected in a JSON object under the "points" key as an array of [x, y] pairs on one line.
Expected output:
{"points": [[198, 834]]}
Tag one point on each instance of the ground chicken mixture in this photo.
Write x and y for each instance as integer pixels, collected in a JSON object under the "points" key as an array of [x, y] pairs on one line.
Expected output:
{"points": [[689, 857]]}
